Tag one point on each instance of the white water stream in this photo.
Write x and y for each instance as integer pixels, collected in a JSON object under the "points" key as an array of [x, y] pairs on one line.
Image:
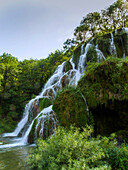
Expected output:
{"points": [[112, 46], [52, 85]]}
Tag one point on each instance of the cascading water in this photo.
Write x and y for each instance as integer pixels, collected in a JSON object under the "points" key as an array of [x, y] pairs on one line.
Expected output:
{"points": [[54, 80], [82, 60], [112, 46], [126, 51], [55, 83], [23, 121], [100, 55]]}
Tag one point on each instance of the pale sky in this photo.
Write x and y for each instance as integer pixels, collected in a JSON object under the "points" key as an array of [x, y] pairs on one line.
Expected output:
{"points": [[35, 28]]}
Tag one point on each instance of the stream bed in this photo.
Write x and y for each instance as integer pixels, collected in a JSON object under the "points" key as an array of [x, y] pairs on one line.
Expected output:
{"points": [[13, 158]]}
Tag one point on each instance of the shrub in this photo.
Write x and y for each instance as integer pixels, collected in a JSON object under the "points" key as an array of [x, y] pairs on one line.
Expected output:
{"points": [[69, 149], [72, 149], [118, 157]]}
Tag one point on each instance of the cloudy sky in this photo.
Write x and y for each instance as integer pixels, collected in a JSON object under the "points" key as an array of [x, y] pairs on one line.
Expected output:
{"points": [[35, 28]]}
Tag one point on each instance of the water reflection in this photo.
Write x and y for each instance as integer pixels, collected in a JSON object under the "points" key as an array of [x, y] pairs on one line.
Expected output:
{"points": [[14, 158]]}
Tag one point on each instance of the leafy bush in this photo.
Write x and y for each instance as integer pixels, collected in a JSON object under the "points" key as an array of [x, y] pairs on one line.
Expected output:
{"points": [[72, 149], [118, 157]]}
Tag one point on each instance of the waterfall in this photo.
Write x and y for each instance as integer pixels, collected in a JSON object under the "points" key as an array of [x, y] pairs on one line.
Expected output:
{"points": [[45, 112], [87, 109], [24, 140], [126, 51], [55, 83], [112, 46], [54, 80], [23, 121], [82, 60], [100, 54]]}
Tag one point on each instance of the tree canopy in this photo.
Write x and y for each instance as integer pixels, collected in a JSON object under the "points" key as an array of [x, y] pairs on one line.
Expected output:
{"points": [[109, 19]]}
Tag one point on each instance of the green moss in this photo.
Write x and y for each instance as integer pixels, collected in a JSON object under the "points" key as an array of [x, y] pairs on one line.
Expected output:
{"points": [[104, 44], [105, 87], [125, 42], [70, 108], [67, 66], [120, 41], [91, 55], [32, 132], [76, 55], [43, 103], [106, 81]]}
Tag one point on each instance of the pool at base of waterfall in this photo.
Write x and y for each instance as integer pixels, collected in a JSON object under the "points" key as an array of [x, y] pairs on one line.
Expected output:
{"points": [[13, 158]]}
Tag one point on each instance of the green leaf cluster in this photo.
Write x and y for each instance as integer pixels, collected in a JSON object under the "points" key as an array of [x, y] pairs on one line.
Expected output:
{"points": [[20, 81], [109, 19], [72, 149]]}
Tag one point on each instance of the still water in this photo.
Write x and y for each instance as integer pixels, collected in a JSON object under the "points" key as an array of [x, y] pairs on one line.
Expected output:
{"points": [[13, 158]]}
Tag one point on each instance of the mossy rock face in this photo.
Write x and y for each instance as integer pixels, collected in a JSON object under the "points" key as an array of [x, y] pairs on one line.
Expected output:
{"points": [[43, 103], [67, 66], [105, 81], [105, 87], [31, 138], [50, 123], [34, 111], [91, 55], [76, 56], [121, 43], [103, 43], [70, 108]]}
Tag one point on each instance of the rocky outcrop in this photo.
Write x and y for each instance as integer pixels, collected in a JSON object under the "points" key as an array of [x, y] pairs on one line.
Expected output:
{"points": [[43, 127], [70, 108], [67, 66], [105, 87], [34, 111]]}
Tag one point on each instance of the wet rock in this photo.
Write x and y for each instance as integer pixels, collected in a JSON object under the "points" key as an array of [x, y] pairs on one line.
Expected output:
{"points": [[67, 66], [106, 91], [49, 93], [43, 127], [34, 110], [49, 123], [65, 80]]}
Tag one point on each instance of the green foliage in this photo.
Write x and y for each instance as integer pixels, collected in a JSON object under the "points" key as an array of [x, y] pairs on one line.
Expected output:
{"points": [[70, 107], [69, 46], [104, 44], [43, 103], [122, 135], [95, 23], [118, 157], [105, 81], [67, 66], [72, 149], [7, 125], [21, 81], [76, 55], [91, 55], [32, 132], [105, 88], [120, 40]]}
